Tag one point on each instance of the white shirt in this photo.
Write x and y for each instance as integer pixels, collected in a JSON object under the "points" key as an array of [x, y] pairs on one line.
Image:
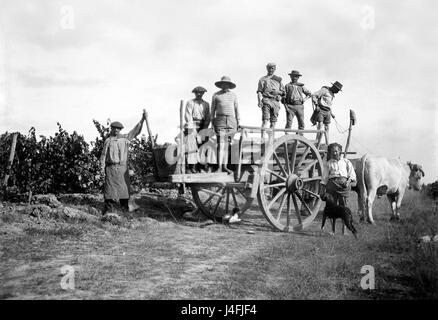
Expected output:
{"points": [[197, 110], [341, 168]]}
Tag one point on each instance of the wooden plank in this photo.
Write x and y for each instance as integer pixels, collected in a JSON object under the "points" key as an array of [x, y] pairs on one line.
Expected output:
{"points": [[11, 159], [222, 177], [259, 129]]}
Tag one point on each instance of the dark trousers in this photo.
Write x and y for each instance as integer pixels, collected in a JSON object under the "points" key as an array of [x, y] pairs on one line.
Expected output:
{"points": [[340, 193], [110, 205], [294, 110]]}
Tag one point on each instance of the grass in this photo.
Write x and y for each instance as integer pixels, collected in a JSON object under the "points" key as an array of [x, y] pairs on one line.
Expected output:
{"points": [[148, 259], [421, 220], [62, 232]]}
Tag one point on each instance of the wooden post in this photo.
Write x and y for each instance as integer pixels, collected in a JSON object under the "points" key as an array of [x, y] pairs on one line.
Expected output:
{"points": [[148, 128], [182, 149], [352, 123], [11, 159], [239, 165]]}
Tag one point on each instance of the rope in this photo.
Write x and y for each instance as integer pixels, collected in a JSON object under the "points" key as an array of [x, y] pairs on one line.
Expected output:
{"points": [[366, 149], [339, 127], [341, 130]]}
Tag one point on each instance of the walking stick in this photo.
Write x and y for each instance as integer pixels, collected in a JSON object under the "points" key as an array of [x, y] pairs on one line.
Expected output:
{"points": [[149, 129]]}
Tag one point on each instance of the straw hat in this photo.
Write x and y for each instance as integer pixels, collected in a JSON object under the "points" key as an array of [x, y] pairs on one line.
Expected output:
{"points": [[224, 80]]}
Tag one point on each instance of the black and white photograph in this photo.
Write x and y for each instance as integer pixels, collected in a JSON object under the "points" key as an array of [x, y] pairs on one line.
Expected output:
{"points": [[218, 155]]}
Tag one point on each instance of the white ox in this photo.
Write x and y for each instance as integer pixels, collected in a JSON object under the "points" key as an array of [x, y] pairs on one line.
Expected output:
{"points": [[379, 176]]}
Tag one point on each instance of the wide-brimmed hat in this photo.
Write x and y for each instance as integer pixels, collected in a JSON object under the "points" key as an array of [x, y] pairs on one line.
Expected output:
{"points": [[199, 89], [116, 124], [224, 80], [295, 73], [337, 85]]}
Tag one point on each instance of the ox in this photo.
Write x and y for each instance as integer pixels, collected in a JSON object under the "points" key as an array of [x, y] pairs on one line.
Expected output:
{"points": [[380, 176]]}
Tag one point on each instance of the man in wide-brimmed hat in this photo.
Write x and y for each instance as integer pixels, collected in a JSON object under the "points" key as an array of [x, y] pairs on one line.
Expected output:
{"points": [[197, 118], [322, 101], [269, 93], [293, 100], [225, 114], [114, 165]]}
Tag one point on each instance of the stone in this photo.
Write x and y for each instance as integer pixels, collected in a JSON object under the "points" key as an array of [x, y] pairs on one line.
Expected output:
{"points": [[113, 218], [133, 206], [425, 239], [191, 215], [93, 211], [47, 199], [39, 211]]}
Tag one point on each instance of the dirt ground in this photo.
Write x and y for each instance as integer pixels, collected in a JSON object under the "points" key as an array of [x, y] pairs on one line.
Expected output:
{"points": [[153, 255]]}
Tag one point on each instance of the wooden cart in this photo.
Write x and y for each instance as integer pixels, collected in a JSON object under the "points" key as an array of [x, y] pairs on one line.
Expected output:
{"points": [[282, 171]]}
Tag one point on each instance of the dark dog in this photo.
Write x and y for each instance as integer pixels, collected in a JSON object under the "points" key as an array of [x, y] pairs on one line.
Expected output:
{"points": [[334, 211]]}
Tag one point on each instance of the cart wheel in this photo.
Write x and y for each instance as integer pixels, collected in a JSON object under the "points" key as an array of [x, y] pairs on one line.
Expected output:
{"points": [[289, 183], [215, 201]]}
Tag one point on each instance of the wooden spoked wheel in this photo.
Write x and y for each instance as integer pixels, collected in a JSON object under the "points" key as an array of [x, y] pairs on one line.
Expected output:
{"points": [[216, 200], [289, 183]]}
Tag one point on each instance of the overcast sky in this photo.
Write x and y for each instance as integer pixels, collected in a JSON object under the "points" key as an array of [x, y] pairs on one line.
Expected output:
{"points": [[74, 61]]}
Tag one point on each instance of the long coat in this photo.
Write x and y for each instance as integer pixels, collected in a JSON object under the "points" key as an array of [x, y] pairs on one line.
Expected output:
{"points": [[114, 160]]}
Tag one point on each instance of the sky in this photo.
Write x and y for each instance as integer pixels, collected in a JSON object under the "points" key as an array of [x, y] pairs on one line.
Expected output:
{"points": [[75, 61]]}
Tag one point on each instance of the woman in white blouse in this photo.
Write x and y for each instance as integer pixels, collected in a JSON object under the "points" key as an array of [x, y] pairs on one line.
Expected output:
{"points": [[339, 175]]}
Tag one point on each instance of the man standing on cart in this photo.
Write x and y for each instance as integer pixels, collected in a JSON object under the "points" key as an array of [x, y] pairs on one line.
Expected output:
{"points": [[269, 93], [197, 118], [322, 101], [225, 115], [295, 95]]}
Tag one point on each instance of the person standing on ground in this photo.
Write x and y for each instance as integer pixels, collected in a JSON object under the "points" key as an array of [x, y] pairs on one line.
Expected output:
{"points": [[338, 175], [114, 165]]}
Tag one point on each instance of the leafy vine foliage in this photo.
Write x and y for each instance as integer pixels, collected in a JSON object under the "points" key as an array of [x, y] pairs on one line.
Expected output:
{"points": [[66, 163]]}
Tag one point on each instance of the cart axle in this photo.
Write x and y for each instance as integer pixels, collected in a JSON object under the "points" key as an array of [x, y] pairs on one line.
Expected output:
{"points": [[294, 183]]}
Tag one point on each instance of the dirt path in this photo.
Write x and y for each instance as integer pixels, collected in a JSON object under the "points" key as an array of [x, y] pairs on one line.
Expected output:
{"points": [[150, 259]]}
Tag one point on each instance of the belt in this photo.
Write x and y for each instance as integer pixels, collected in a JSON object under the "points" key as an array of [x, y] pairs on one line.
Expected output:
{"points": [[114, 163], [296, 103]]}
